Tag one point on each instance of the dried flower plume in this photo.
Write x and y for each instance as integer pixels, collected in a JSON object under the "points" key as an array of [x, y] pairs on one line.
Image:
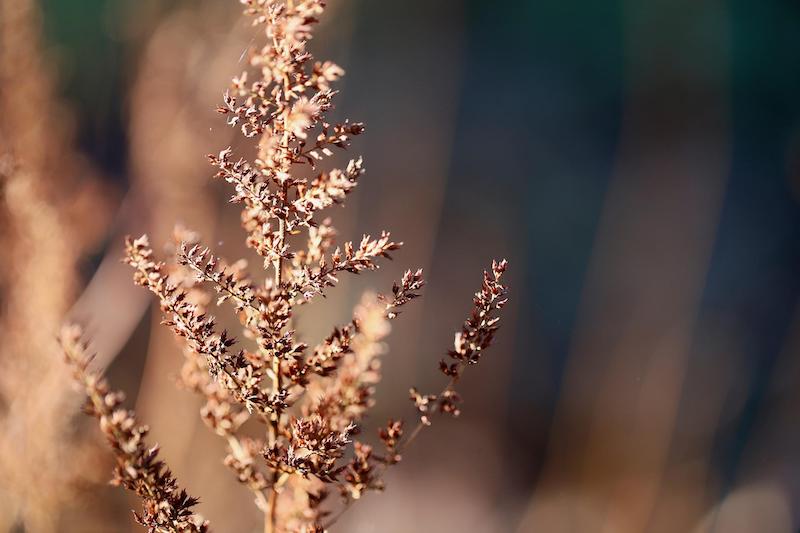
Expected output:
{"points": [[165, 508], [310, 401]]}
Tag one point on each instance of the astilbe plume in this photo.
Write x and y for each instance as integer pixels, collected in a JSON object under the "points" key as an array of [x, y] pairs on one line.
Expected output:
{"points": [[165, 508], [311, 401]]}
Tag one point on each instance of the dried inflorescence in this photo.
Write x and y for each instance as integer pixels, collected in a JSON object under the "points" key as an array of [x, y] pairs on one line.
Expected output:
{"points": [[166, 507], [309, 401], [476, 335]]}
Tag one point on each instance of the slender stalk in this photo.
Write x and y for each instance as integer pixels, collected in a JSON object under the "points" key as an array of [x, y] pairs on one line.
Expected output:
{"points": [[275, 420], [269, 526]]}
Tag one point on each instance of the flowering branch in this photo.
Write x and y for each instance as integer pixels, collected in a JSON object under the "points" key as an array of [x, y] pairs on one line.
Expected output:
{"points": [[166, 508]]}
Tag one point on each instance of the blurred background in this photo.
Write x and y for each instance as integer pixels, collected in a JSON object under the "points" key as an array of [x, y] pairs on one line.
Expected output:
{"points": [[638, 163]]}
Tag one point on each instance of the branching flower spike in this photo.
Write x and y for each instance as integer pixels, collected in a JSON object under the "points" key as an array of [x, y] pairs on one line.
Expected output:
{"points": [[309, 403], [165, 508]]}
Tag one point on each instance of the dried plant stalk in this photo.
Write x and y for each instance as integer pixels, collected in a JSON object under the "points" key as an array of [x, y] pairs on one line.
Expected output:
{"points": [[309, 401], [166, 508]]}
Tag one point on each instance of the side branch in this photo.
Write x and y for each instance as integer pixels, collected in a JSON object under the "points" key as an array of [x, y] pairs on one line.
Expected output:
{"points": [[363, 472], [233, 371], [166, 507]]}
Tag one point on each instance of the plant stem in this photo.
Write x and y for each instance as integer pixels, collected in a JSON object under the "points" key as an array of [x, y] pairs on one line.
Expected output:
{"points": [[273, 501], [270, 518]]}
